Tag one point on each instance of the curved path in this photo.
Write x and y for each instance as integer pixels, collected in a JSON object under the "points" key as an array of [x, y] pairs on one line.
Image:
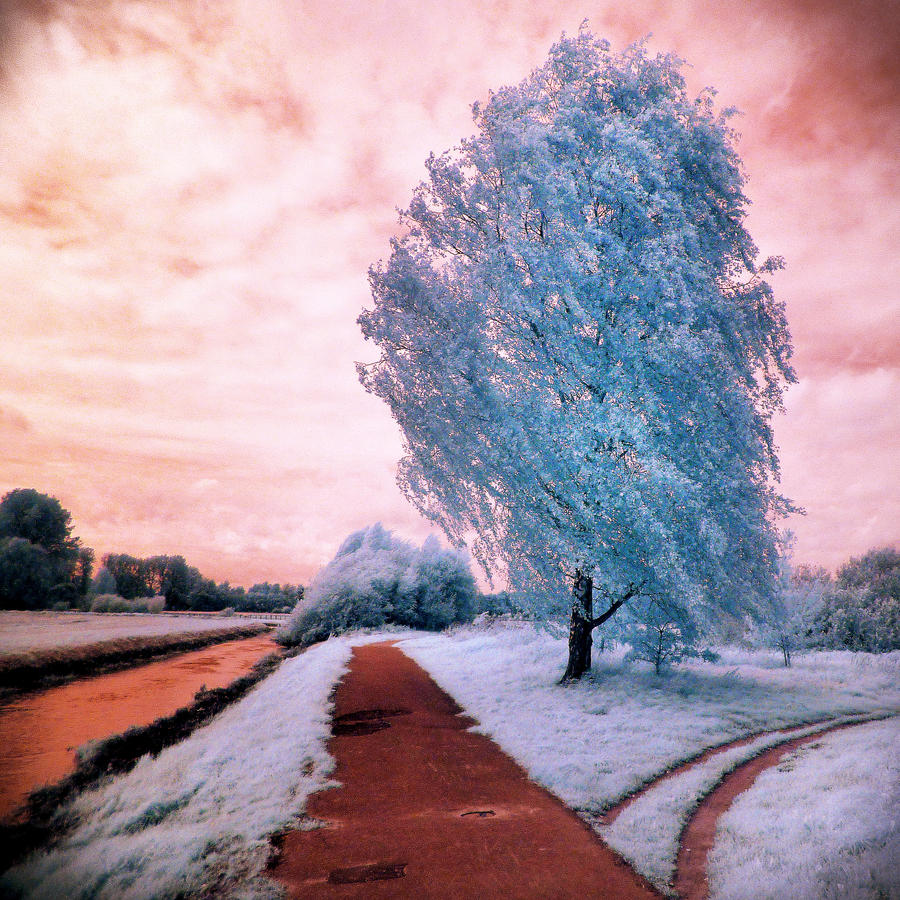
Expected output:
{"points": [[691, 881], [429, 809], [610, 815]]}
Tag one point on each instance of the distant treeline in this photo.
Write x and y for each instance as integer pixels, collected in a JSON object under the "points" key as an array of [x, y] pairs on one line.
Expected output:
{"points": [[44, 566], [42, 563], [184, 587]]}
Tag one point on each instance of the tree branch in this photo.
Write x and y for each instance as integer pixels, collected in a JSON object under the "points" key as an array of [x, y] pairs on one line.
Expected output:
{"points": [[614, 607]]}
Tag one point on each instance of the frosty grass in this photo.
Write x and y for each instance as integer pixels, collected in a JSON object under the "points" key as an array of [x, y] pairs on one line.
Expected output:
{"points": [[826, 820], [198, 818], [596, 742]]}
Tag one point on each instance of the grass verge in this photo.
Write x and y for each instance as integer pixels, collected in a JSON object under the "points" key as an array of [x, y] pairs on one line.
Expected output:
{"points": [[44, 817], [36, 669]]}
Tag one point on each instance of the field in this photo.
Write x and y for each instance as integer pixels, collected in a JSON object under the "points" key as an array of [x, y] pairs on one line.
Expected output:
{"points": [[40, 648], [34, 631], [200, 815]]}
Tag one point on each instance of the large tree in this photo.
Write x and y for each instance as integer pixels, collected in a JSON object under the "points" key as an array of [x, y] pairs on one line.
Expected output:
{"points": [[56, 567], [581, 348]]}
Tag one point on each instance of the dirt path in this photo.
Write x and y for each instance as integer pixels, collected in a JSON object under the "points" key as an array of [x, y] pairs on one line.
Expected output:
{"points": [[428, 809], [691, 882], [613, 813]]}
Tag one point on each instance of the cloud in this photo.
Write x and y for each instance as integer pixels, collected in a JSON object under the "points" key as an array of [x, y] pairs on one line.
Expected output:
{"points": [[192, 193], [839, 449]]}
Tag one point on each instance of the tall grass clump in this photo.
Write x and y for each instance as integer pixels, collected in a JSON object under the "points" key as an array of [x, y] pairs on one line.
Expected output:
{"points": [[378, 579]]}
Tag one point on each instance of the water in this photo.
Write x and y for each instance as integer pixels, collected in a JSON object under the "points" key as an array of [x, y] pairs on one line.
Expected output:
{"points": [[39, 732]]}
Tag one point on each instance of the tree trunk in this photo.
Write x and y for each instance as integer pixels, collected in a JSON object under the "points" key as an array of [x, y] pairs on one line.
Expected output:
{"points": [[580, 627], [786, 650], [583, 622]]}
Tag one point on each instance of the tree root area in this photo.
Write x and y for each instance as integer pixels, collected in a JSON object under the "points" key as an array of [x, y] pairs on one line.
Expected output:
{"points": [[429, 809]]}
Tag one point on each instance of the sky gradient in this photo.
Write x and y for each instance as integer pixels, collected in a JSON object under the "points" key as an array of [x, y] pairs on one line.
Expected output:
{"points": [[191, 194]]}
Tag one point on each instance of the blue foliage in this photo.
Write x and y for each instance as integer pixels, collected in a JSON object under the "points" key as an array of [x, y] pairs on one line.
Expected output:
{"points": [[580, 346]]}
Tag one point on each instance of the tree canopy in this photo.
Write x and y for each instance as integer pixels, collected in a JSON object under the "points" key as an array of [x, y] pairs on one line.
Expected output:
{"points": [[580, 345], [40, 519], [41, 561]]}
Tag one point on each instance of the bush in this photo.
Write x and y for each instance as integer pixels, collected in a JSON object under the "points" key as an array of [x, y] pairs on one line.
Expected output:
{"points": [[378, 579], [862, 610], [113, 603], [108, 603], [500, 604]]}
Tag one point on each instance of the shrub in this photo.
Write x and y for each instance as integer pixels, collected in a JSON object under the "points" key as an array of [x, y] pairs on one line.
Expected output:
{"points": [[862, 610], [377, 579], [108, 603], [113, 603], [500, 604]]}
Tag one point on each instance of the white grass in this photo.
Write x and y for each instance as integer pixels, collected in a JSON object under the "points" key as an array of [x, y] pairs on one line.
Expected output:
{"points": [[24, 631], [198, 818], [647, 831], [595, 742], [825, 823]]}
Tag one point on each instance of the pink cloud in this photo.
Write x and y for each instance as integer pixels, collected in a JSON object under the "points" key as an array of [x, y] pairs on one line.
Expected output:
{"points": [[193, 192]]}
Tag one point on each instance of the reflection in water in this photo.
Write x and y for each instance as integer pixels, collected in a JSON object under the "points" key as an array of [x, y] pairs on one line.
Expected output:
{"points": [[39, 732]]}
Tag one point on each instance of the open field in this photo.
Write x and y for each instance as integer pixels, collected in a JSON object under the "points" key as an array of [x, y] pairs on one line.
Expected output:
{"points": [[37, 649], [200, 816], [42, 630]]}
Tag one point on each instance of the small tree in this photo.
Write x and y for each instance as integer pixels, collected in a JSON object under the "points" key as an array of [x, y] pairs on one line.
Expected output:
{"points": [[580, 346], [84, 567], [661, 635], [790, 612]]}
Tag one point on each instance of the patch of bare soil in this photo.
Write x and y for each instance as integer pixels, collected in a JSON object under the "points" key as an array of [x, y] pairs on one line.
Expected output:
{"points": [[428, 809]]}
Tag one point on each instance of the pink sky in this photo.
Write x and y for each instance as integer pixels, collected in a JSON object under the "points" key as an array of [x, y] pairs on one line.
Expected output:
{"points": [[191, 194]]}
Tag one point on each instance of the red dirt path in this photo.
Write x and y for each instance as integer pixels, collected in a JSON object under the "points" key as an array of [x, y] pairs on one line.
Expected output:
{"points": [[428, 809], [691, 881], [613, 813]]}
